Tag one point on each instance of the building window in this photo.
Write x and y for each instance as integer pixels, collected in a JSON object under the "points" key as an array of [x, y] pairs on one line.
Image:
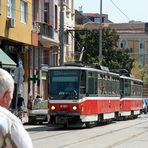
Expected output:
{"points": [[123, 44], [11, 8], [72, 6], [68, 10], [66, 37], [56, 17], [23, 11], [142, 46], [67, 6], [46, 12], [97, 20], [142, 59]]}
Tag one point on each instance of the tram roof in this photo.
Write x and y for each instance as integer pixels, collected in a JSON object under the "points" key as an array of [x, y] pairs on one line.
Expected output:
{"points": [[83, 68], [131, 78]]}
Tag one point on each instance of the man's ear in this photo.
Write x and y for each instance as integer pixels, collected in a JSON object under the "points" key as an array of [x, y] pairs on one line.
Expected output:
{"points": [[7, 99]]}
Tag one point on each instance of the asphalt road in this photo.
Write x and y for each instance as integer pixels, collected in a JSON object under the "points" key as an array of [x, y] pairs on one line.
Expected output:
{"points": [[120, 134]]}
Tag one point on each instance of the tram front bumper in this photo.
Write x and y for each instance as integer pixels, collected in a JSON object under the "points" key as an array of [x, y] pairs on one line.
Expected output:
{"points": [[63, 118]]}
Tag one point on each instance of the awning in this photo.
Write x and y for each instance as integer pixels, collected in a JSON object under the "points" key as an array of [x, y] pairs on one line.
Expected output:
{"points": [[6, 61]]}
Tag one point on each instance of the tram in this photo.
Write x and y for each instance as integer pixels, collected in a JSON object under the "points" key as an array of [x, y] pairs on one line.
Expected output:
{"points": [[85, 95]]}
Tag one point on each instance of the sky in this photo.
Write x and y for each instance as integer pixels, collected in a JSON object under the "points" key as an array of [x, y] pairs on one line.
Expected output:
{"points": [[119, 11]]}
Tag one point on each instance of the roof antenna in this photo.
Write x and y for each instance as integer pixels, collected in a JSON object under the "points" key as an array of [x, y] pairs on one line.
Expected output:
{"points": [[80, 9]]}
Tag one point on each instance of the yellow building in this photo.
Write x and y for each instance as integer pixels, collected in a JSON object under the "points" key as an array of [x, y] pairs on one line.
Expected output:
{"points": [[16, 20], [134, 38], [15, 36]]}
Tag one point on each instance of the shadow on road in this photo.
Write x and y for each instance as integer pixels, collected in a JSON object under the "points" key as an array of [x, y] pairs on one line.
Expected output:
{"points": [[37, 128]]}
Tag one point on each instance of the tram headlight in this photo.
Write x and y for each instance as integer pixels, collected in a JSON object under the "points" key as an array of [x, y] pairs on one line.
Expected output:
{"points": [[74, 108], [52, 107]]}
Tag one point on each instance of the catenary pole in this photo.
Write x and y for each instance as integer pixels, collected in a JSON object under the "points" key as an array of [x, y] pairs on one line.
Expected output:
{"points": [[100, 35], [62, 32]]}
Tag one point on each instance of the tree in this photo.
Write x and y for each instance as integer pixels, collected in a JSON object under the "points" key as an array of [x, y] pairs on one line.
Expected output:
{"points": [[144, 73], [118, 59], [140, 72], [112, 57], [137, 70]]}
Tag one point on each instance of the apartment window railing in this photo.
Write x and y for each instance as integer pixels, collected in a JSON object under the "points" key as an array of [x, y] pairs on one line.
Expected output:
{"points": [[43, 29], [46, 30]]}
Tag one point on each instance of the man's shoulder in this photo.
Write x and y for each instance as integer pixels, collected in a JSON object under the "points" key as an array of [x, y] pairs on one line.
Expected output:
{"points": [[6, 117], [6, 141]]}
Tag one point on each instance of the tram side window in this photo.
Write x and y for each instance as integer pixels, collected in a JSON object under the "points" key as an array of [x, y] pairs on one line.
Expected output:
{"points": [[109, 85], [117, 87], [92, 83], [136, 89], [127, 91], [100, 84], [132, 89], [139, 90], [102, 81], [121, 87], [83, 82], [114, 86]]}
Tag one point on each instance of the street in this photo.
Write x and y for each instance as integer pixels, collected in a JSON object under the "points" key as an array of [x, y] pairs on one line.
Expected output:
{"points": [[118, 134]]}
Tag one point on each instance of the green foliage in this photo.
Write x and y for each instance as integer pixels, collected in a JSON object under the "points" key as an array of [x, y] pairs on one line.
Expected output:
{"points": [[140, 72], [112, 57], [144, 73], [118, 59]]}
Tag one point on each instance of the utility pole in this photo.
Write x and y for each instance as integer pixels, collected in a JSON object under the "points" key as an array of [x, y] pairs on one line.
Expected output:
{"points": [[62, 32], [100, 35]]}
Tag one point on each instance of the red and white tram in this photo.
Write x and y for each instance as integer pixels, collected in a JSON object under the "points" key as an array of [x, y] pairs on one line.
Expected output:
{"points": [[131, 102], [79, 95]]}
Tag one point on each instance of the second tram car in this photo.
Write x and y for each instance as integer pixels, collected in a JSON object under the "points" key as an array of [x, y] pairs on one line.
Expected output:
{"points": [[83, 95]]}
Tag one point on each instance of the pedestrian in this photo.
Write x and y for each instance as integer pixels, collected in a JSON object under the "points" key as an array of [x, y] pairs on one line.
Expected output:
{"points": [[29, 103], [20, 103], [12, 132]]}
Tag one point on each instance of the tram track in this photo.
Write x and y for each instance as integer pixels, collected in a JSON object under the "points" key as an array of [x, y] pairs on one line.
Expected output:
{"points": [[108, 133], [125, 140], [88, 138]]}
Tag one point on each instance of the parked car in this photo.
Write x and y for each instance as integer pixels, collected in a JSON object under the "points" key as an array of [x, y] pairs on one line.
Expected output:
{"points": [[39, 112], [145, 105]]}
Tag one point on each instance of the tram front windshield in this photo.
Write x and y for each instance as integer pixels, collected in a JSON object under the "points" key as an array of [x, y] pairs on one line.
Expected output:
{"points": [[64, 84]]}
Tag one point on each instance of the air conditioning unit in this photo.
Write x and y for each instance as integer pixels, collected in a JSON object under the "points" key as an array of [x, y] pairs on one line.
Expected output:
{"points": [[11, 22]]}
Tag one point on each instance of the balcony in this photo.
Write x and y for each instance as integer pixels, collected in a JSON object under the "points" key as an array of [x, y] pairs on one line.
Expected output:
{"points": [[46, 30], [46, 34]]}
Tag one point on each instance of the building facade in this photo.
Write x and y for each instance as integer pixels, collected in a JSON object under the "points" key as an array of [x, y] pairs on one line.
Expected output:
{"points": [[45, 51], [15, 38], [134, 38], [29, 36]]}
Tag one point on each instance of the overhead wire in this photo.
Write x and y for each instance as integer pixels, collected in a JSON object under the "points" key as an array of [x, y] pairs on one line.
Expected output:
{"points": [[131, 27], [120, 10]]}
